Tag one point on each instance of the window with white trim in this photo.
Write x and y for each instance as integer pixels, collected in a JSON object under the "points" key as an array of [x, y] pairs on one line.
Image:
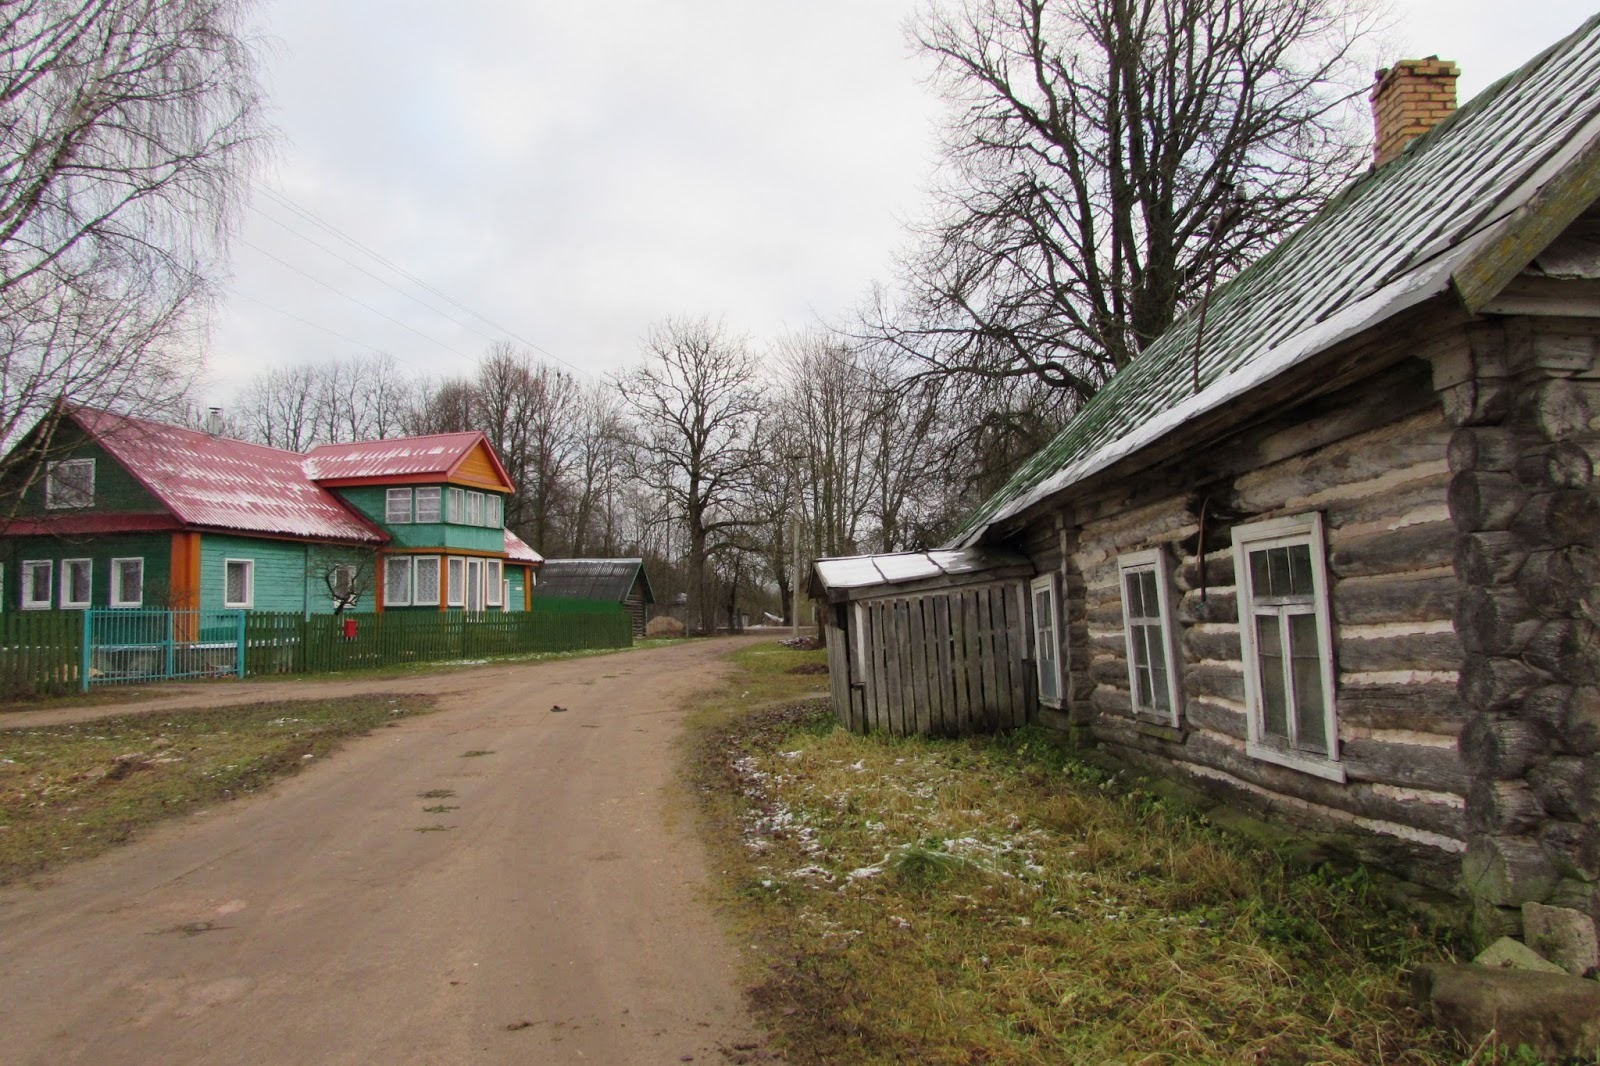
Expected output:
{"points": [[428, 504], [77, 582], [239, 583], [1287, 635], [37, 578], [491, 583], [493, 511], [456, 592], [1047, 639], [397, 507], [474, 508], [69, 483], [397, 581], [127, 582], [458, 506], [1153, 683], [425, 570]]}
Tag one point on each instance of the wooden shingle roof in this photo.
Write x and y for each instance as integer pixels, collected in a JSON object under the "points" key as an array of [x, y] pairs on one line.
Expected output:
{"points": [[1464, 208]]}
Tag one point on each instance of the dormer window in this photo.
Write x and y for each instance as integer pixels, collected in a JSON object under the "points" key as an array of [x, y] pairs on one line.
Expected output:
{"points": [[428, 505], [69, 483], [397, 507]]}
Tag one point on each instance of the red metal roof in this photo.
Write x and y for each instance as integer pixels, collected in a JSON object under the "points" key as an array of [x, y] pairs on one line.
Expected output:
{"points": [[66, 525], [431, 456], [517, 550], [225, 484]]}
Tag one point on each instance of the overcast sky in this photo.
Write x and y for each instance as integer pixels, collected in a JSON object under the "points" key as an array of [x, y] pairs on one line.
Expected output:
{"points": [[575, 171]]}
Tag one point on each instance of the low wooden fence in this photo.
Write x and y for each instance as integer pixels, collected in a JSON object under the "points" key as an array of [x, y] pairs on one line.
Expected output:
{"points": [[44, 651]]}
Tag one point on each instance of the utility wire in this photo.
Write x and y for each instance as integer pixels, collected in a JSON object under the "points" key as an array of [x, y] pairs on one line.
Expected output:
{"points": [[353, 299], [308, 322], [309, 216]]}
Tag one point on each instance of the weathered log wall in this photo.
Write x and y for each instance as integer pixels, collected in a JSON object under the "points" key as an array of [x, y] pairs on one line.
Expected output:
{"points": [[1373, 460], [1524, 398]]}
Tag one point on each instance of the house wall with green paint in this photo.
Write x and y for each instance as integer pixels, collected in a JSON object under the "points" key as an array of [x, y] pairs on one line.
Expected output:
{"points": [[286, 574], [372, 501], [514, 577], [154, 548], [115, 490]]}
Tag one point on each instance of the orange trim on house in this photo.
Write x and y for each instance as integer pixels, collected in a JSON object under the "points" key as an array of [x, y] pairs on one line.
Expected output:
{"points": [[184, 581], [527, 588], [480, 468], [444, 582], [377, 590]]}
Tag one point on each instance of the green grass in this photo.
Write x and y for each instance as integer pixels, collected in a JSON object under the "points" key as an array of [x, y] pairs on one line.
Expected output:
{"points": [[71, 791], [998, 901]]}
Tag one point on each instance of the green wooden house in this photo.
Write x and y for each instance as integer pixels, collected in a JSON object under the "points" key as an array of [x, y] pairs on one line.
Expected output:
{"points": [[127, 513]]}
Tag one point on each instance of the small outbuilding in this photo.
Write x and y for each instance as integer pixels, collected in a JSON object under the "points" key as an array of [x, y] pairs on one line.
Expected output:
{"points": [[622, 581]]}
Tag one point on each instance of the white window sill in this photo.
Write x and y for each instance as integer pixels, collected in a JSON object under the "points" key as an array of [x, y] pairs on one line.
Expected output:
{"points": [[127, 606], [1306, 764]]}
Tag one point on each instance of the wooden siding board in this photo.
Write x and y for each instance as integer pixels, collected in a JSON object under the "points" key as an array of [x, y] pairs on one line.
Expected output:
{"points": [[918, 716]]}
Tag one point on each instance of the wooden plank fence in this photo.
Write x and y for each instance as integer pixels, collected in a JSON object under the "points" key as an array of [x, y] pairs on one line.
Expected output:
{"points": [[41, 652], [940, 663]]}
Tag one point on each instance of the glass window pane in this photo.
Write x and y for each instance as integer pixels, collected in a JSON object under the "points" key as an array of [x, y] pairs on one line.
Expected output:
{"points": [[1142, 698], [457, 582], [1260, 579], [1278, 565], [1299, 569], [1310, 704], [1147, 586], [427, 580], [238, 582], [1161, 698], [1134, 602], [1274, 701], [428, 505], [397, 581]]}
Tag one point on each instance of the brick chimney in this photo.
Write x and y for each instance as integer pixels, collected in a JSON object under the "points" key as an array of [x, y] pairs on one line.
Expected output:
{"points": [[1409, 99]]}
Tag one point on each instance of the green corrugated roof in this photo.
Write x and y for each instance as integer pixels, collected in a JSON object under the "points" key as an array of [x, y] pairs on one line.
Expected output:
{"points": [[1388, 242]]}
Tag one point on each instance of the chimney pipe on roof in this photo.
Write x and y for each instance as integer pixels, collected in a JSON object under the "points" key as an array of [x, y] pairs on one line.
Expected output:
{"points": [[214, 421], [1408, 100]]}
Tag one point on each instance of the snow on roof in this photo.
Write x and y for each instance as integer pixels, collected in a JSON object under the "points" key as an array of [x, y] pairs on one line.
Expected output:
{"points": [[836, 578], [436, 454], [517, 550], [593, 579], [224, 484], [1396, 237]]}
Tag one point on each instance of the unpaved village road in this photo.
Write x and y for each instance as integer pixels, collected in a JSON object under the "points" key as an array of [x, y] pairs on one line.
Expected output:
{"points": [[560, 919]]}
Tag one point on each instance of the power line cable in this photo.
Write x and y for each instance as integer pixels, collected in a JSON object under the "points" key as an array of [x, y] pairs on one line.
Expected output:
{"points": [[314, 325], [353, 299], [309, 216]]}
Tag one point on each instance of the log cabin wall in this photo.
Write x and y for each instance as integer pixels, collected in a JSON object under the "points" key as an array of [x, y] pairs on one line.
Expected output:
{"points": [[1524, 398], [1372, 460]]}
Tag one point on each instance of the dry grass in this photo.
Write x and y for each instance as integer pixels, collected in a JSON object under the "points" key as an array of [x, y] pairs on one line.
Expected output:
{"points": [[995, 901], [71, 791]]}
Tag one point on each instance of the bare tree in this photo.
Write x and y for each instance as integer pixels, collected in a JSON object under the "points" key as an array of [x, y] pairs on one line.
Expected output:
{"points": [[278, 408], [346, 573], [127, 133], [696, 408], [1108, 160]]}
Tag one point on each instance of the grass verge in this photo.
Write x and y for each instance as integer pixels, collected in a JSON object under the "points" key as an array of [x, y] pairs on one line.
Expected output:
{"points": [[997, 901], [71, 791]]}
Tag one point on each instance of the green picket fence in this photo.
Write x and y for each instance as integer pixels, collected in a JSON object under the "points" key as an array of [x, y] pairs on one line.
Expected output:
{"points": [[42, 652]]}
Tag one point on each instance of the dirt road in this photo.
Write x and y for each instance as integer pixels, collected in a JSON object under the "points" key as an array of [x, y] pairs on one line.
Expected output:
{"points": [[557, 919]]}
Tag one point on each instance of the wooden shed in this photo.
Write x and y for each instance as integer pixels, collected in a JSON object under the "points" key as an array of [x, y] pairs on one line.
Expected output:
{"points": [[621, 581], [928, 643]]}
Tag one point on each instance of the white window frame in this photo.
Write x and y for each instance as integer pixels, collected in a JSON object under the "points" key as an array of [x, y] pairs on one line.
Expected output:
{"points": [[493, 575], [118, 590], [435, 497], [390, 499], [438, 568], [249, 600], [1153, 560], [29, 567], [1306, 529], [493, 511], [390, 563], [456, 581], [66, 584], [474, 508], [54, 467], [1046, 583], [344, 581], [457, 511]]}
